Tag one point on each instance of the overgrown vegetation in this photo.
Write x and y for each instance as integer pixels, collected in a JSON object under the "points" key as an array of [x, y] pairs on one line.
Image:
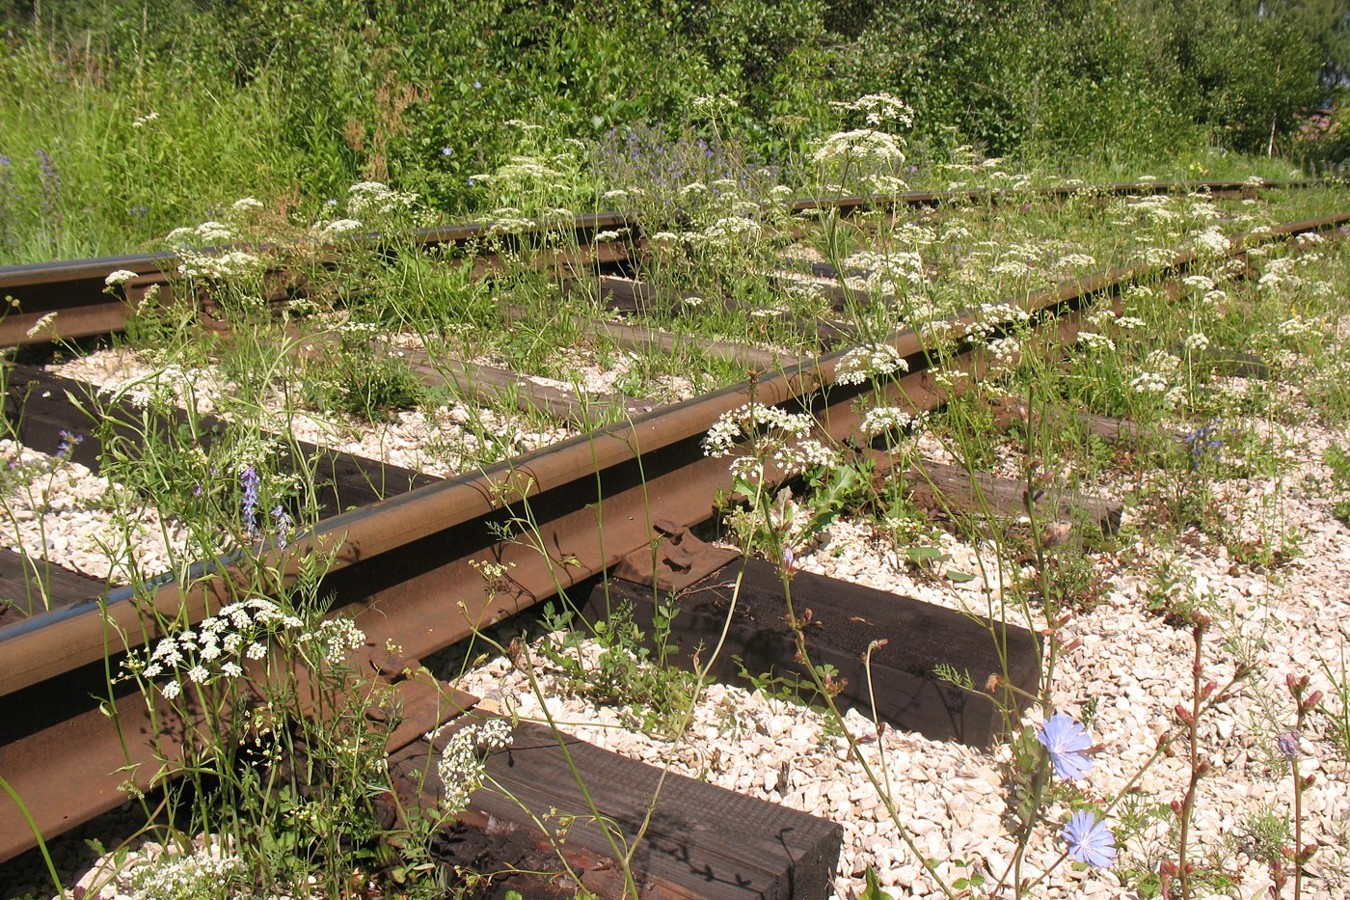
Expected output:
{"points": [[131, 117]]}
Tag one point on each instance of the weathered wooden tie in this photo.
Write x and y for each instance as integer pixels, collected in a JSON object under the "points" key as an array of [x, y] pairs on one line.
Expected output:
{"points": [[29, 587], [702, 841], [945, 491], [841, 621]]}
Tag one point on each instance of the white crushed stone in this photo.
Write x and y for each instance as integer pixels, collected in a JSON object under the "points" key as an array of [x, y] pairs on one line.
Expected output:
{"points": [[54, 511]]}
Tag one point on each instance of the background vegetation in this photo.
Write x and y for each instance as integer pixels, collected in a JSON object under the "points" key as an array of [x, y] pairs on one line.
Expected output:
{"points": [[293, 100]]}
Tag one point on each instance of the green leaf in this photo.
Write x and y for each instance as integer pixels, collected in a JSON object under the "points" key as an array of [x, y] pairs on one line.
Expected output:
{"points": [[873, 889], [921, 555], [959, 577]]}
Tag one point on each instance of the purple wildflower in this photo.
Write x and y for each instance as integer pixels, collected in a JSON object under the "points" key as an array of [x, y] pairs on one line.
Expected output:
{"points": [[1067, 743], [249, 481], [1090, 840], [68, 443], [283, 523], [1288, 743]]}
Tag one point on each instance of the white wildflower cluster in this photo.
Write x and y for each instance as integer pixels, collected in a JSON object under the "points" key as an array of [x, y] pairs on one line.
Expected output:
{"points": [[1162, 361], [880, 109], [861, 145], [509, 220], [935, 332], [142, 121], [1010, 268], [1149, 383], [1296, 326], [335, 638], [731, 229], [913, 234], [218, 266], [1005, 350], [377, 198], [1156, 208], [884, 420], [1031, 253], [1210, 241], [1076, 261], [163, 388], [887, 274], [713, 104], [751, 419], [1279, 273], [206, 872], [1002, 313], [1198, 282], [1255, 181], [119, 278], [337, 228], [1309, 239], [1101, 317], [462, 763], [213, 650], [1094, 341], [245, 205], [776, 435], [1196, 342], [1155, 256], [869, 361], [45, 322], [207, 234], [1156, 377]]}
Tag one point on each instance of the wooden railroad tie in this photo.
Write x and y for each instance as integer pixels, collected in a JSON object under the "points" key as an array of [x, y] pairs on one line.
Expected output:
{"points": [[841, 621], [945, 491], [702, 841], [30, 587]]}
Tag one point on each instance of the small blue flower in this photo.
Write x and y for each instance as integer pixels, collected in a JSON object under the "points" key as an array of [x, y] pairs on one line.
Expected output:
{"points": [[1090, 840], [447, 151], [1067, 742], [478, 84], [67, 443]]}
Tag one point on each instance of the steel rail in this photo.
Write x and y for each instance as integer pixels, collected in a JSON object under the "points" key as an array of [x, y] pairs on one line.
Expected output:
{"points": [[405, 567]]}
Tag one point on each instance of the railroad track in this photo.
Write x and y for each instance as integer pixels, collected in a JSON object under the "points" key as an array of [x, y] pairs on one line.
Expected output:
{"points": [[595, 503]]}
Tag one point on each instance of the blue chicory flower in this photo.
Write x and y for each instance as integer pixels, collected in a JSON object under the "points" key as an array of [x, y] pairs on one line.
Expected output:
{"points": [[1067, 743], [1090, 840]]}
